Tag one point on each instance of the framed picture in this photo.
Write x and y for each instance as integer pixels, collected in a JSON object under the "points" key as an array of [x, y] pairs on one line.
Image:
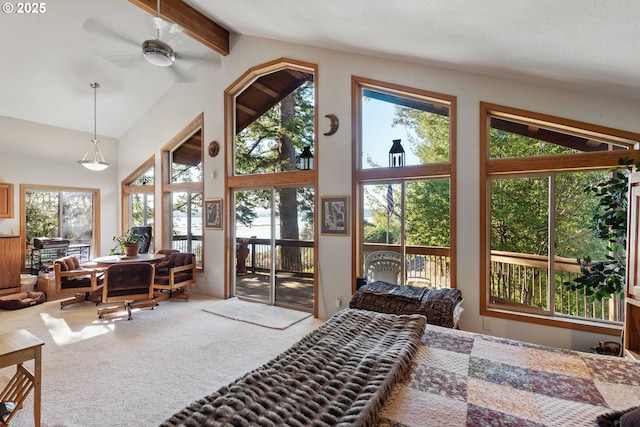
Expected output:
{"points": [[334, 214], [213, 214]]}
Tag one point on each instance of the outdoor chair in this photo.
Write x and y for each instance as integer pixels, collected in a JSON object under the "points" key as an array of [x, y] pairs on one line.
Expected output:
{"points": [[383, 266]]}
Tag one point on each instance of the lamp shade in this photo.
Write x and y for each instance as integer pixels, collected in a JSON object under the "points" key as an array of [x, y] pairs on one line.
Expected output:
{"points": [[98, 163]]}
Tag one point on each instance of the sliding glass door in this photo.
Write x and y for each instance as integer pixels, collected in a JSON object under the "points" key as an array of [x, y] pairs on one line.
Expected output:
{"points": [[274, 239]]}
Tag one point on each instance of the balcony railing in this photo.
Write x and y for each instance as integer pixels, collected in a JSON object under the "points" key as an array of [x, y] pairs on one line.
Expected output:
{"points": [[521, 280]]}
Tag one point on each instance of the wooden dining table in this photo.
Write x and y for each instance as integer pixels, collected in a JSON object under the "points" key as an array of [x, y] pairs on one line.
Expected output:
{"points": [[106, 261]]}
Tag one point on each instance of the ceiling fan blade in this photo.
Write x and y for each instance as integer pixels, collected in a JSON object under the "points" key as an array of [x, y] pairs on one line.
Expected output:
{"points": [[127, 61], [95, 26], [176, 74], [165, 27]]}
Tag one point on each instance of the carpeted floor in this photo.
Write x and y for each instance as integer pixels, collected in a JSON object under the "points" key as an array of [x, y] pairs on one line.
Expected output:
{"points": [[268, 316], [114, 372]]}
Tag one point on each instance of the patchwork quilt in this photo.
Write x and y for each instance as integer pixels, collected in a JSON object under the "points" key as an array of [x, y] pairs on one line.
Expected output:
{"points": [[460, 378]]}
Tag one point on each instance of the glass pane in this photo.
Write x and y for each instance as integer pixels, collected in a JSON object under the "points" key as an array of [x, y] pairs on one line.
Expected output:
{"points": [[77, 212], [422, 128], [520, 241], [195, 235], [382, 207], [145, 179], [511, 139], [42, 211], [294, 247], [427, 233], [273, 141], [575, 239], [186, 160], [253, 233]]}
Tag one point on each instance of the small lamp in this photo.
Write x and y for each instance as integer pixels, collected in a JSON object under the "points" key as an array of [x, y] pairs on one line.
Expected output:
{"points": [[306, 159], [396, 155]]}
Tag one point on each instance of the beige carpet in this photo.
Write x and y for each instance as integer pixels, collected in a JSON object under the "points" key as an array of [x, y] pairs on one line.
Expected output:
{"points": [[119, 373], [268, 316]]}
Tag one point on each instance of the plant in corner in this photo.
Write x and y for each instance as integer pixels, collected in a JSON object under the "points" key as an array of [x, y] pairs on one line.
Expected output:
{"points": [[127, 240], [602, 279]]}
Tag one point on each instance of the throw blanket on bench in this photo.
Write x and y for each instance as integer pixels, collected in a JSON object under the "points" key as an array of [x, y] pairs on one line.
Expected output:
{"points": [[340, 374], [441, 306]]}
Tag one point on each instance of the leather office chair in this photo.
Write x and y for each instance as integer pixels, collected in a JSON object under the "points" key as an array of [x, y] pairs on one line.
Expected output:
{"points": [[147, 233], [173, 273], [129, 283], [71, 276], [384, 266]]}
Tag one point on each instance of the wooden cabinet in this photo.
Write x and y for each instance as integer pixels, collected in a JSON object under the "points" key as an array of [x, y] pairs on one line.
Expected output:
{"points": [[632, 298], [6, 200], [10, 263]]}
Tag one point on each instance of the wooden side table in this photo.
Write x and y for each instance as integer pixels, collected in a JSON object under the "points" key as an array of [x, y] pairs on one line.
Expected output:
{"points": [[16, 348]]}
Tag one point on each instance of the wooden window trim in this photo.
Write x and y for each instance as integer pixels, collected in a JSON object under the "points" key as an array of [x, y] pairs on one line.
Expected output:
{"points": [[560, 162], [429, 171]]}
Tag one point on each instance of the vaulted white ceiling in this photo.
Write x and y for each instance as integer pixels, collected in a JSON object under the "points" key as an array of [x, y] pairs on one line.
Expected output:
{"points": [[48, 60]]}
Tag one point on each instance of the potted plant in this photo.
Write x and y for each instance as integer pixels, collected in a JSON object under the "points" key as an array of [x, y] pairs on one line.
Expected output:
{"points": [[602, 279], [128, 243]]}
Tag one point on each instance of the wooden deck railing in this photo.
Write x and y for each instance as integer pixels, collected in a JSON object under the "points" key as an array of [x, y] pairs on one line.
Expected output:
{"points": [[516, 280]]}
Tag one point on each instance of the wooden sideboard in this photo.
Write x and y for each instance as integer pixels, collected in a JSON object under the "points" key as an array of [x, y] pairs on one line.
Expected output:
{"points": [[10, 264]]}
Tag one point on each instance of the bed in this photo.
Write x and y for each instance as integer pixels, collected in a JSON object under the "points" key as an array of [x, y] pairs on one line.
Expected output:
{"points": [[364, 368]]}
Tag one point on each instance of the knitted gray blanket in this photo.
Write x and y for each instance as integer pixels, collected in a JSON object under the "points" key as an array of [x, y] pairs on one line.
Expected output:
{"points": [[340, 374]]}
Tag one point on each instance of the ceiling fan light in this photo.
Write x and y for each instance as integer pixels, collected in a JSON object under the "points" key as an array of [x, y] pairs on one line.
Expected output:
{"points": [[158, 53]]}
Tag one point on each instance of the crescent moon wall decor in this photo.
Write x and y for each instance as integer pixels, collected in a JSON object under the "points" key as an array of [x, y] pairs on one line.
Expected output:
{"points": [[335, 123]]}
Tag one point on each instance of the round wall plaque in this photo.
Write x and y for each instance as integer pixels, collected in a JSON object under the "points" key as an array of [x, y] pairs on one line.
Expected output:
{"points": [[214, 148]]}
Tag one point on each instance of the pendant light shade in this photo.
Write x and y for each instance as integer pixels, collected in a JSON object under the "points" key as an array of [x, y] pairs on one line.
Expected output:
{"points": [[97, 163]]}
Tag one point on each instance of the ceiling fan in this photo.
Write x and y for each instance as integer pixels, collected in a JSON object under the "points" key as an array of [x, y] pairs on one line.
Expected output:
{"points": [[155, 51]]}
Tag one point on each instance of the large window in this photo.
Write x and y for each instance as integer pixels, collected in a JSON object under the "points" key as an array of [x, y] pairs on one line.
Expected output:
{"points": [[138, 191], [405, 198], [60, 212], [536, 215], [182, 191], [271, 116]]}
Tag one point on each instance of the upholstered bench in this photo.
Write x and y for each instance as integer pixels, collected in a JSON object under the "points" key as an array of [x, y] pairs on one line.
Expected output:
{"points": [[442, 307], [21, 300]]}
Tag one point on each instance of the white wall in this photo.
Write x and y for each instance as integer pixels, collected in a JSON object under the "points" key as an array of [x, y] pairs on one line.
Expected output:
{"points": [[186, 100], [32, 153]]}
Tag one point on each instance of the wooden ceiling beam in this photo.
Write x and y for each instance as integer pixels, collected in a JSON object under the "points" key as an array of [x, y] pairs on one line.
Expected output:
{"points": [[194, 23]]}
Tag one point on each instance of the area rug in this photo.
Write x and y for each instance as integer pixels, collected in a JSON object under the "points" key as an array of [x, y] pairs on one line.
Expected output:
{"points": [[268, 316]]}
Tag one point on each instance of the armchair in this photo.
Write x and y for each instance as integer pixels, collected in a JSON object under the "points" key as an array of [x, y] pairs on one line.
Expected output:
{"points": [[174, 272], [130, 284], [71, 276]]}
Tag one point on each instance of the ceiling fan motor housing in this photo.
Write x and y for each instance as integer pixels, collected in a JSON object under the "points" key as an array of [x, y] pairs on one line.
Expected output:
{"points": [[158, 53]]}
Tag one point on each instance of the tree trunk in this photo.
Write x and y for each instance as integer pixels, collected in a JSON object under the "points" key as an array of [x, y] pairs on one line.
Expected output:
{"points": [[287, 204]]}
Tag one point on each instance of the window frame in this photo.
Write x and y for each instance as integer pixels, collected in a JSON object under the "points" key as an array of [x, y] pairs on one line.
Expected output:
{"points": [[54, 188], [127, 190], [265, 180], [168, 188], [527, 166], [399, 174]]}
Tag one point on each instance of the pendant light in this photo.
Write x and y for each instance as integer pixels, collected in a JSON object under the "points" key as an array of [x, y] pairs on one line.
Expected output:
{"points": [[98, 163]]}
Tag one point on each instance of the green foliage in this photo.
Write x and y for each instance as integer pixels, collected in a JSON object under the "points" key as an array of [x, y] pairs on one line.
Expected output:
{"points": [[604, 278]]}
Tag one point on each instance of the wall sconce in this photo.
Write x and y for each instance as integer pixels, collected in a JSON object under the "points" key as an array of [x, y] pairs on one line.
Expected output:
{"points": [[396, 155], [306, 159]]}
